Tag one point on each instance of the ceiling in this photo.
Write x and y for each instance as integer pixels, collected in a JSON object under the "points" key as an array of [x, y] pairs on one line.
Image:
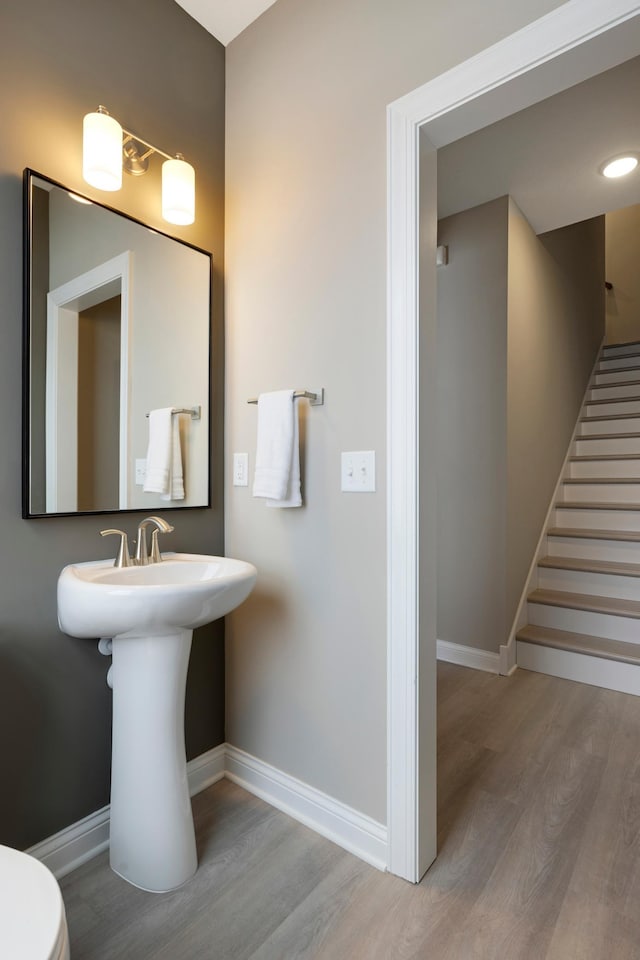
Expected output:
{"points": [[547, 156], [225, 19]]}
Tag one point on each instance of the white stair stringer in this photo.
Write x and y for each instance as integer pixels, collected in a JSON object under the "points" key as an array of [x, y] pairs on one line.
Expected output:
{"points": [[581, 618]]}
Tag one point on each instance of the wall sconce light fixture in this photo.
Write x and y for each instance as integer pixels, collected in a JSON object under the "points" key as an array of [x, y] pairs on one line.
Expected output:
{"points": [[108, 148]]}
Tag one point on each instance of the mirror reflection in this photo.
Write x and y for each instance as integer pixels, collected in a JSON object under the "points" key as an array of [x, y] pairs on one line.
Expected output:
{"points": [[117, 327]]}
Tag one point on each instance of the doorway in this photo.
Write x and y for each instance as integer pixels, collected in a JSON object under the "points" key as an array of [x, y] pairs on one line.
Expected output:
{"points": [[561, 49]]}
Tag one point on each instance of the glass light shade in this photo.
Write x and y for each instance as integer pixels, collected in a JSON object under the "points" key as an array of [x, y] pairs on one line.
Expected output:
{"points": [[620, 166], [178, 192], [102, 151]]}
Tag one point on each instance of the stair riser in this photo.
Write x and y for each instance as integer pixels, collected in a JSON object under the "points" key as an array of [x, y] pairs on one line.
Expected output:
{"points": [[626, 425], [617, 550], [614, 391], [597, 519], [620, 350], [602, 492], [612, 445], [583, 621], [609, 674], [613, 376], [604, 468], [629, 360], [593, 584], [609, 409]]}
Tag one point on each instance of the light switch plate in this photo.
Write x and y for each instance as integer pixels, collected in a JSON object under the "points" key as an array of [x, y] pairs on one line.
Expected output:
{"points": [[241, 469], [141, 472], [358, 472]]}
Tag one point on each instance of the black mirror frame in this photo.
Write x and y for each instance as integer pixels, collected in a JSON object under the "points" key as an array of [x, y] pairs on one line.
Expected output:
{"points": [[28, 177]]}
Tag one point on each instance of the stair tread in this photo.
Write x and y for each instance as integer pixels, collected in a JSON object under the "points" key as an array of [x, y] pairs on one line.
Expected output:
{"points": [[630, 399], [614, 606], [607, 436], [623, 343], [615, 567], [601, 647], [585, 533], [610, 416], [587, 480], [600, 370], [625, 356], [606, 456], [595, 505], [615, 383]]}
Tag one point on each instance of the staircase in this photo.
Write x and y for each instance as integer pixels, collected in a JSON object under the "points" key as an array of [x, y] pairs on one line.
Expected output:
{"points": [[584, 616]]}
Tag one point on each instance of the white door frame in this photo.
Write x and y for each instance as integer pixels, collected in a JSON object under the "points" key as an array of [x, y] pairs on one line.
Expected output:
{"points": [[64, 305], [411, 531]]}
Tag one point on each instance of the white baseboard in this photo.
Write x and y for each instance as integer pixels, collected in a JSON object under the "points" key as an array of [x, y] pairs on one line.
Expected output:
{"points": [[207, 769], [355, 832], [74, 845], [468, 656], [82, 841]]}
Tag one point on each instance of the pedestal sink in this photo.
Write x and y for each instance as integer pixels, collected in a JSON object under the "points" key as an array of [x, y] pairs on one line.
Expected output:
{"points": [[150, 612]]}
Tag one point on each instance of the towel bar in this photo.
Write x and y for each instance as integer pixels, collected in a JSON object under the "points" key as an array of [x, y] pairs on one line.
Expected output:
{"points": [[315, 397], [194, 412]]}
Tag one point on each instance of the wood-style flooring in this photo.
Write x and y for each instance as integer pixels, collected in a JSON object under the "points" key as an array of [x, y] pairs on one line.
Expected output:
{"points": [[539, 852]]}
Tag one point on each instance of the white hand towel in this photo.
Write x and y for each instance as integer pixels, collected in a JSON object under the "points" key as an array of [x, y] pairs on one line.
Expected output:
{"points": [[277, 474], [164, 458], [293, 496], [176, 478]]}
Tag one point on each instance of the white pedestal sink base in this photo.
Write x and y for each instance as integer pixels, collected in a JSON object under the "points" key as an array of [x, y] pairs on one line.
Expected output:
{"points": [[152, 835], [150, 611]]}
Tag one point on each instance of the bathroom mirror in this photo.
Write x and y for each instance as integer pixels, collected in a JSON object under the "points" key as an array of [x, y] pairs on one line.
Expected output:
{"points": [[116, 324]]}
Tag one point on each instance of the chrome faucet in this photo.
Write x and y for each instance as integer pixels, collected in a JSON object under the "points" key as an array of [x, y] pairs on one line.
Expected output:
{"points": [[142, 557]]}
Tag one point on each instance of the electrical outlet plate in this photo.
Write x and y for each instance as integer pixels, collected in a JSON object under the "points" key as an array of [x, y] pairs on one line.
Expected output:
{"points": [[358, 472], [141, 472], [241, 469]]}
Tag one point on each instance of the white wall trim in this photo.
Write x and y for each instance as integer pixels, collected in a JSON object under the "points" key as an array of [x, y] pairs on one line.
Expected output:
{"points": [[207, 769], [562, 30], [354, 831], [74, 845], [64, 304], [85, 839], [468, 656], [508, 651]]}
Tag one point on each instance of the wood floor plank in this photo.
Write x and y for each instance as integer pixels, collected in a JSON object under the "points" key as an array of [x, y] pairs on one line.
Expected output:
{"points": [[539, 852], [592, 931], [516, 914]]}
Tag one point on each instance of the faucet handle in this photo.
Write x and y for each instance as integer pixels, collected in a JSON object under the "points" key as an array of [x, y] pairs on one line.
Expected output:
{"points": [[123, 559], [161, 526], [156, 556]]}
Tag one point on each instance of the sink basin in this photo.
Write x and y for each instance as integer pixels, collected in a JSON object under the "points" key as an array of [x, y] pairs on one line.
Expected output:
{"points": [[149, 613], [185, 591]]}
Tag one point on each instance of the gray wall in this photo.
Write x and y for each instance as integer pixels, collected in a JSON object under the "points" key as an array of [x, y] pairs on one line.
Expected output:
{"points": [[58, 61], [307, 89], [520, 321], [556, 325], [472, 425], [622, 230]]}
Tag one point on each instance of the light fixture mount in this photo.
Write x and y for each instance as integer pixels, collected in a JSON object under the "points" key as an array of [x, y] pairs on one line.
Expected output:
{"points": [[108, 148], [135, 160]]}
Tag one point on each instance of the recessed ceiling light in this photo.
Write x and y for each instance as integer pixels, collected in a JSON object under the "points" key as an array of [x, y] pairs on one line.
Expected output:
{"points": [[619, 166]]}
